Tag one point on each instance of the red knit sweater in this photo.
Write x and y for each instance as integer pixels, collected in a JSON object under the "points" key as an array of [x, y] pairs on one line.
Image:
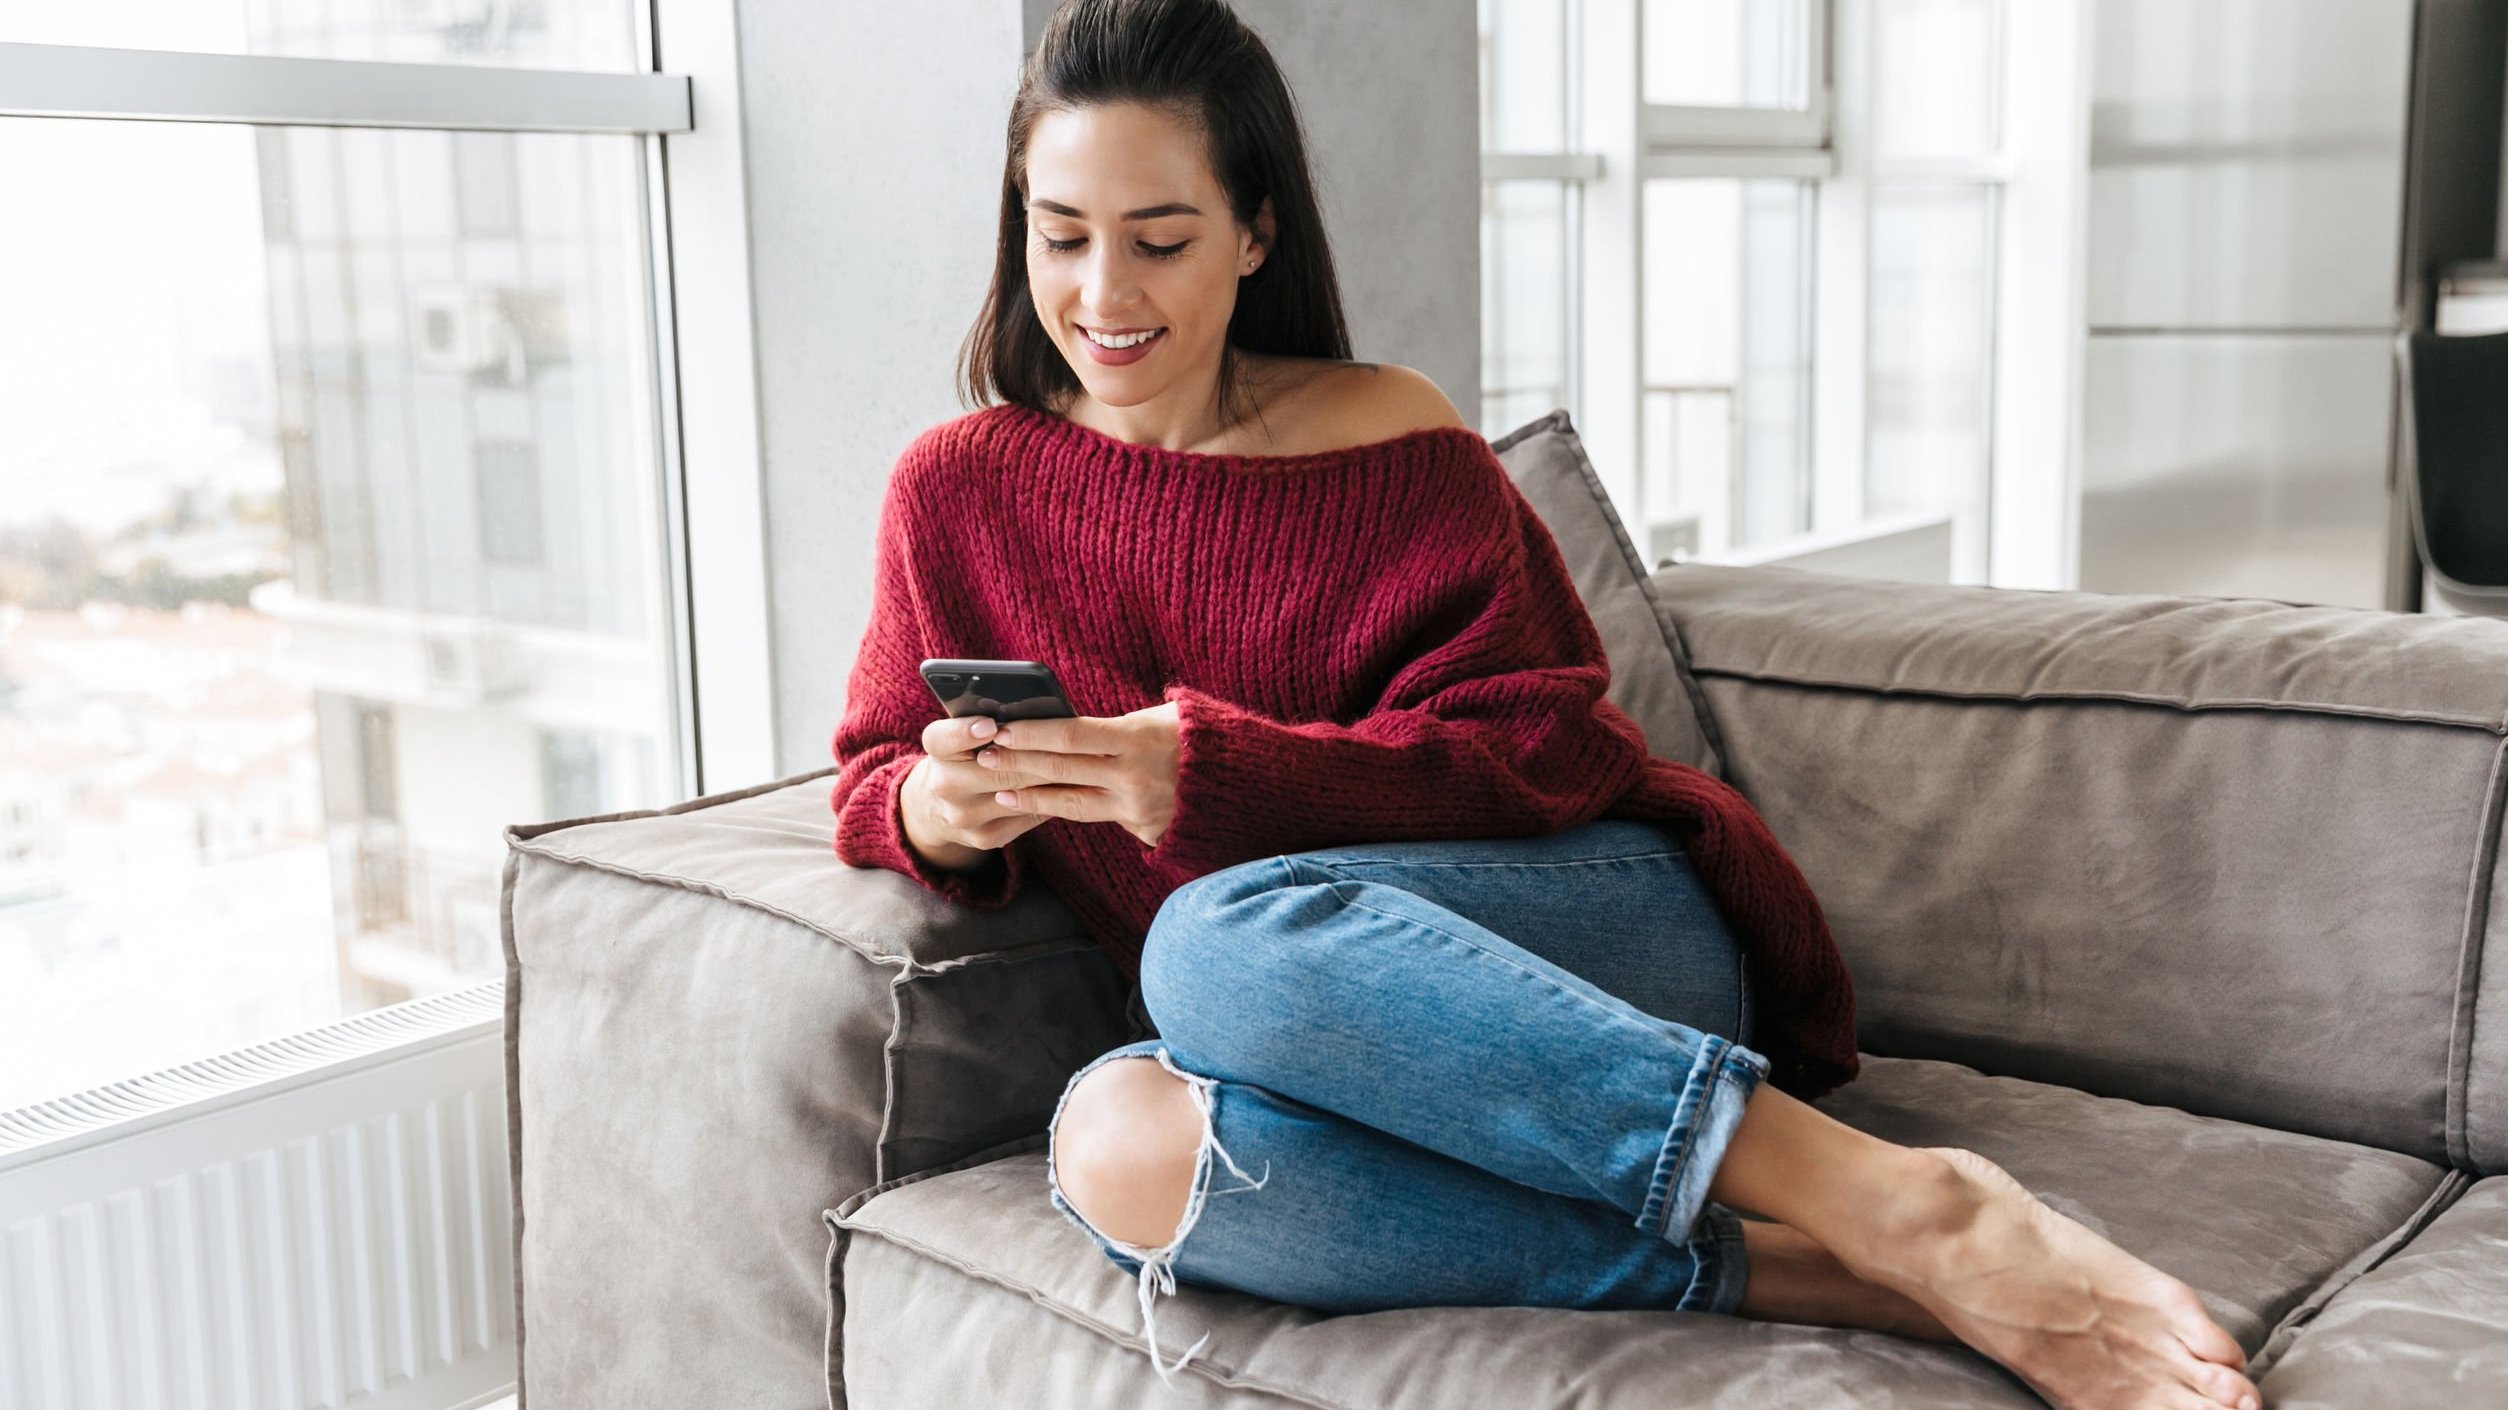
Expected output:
{"points": [[1364, 644]]}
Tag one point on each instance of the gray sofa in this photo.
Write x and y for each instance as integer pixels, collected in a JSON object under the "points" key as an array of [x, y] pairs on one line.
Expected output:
{"points": [[2176, 907]]}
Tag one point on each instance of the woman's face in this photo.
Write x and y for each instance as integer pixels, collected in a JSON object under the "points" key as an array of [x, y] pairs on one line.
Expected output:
{"points": [[1129, 232]]}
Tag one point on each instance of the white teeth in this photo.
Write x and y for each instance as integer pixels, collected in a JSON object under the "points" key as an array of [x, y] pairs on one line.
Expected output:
{"points": [[1127, 340]]}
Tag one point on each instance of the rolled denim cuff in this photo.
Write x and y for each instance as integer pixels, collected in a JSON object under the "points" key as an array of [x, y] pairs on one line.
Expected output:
{"points": [[1723, 1263], [1719, 1085]]}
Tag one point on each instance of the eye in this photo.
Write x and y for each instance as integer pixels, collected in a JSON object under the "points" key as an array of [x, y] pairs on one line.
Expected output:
{"points": [[1153, 251]]}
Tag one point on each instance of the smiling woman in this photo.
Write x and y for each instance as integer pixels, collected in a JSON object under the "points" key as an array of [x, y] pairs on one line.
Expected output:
{"points": [[1161, 272], [1503, 1010]]}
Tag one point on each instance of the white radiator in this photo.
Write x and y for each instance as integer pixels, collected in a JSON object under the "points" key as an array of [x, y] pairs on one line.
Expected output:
{"points": [[319, 1221]]}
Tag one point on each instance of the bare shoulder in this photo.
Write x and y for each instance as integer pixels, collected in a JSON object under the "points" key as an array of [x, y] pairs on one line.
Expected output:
{"points": [[1376, 401]]}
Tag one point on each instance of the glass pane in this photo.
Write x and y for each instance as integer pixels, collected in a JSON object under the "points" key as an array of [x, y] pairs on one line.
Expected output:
{"points": [[330, 543], [1935, 76], [1728, 53], [1928, 400], [1726, 438], [1525, 295], [1523, 76], [551, 34]]}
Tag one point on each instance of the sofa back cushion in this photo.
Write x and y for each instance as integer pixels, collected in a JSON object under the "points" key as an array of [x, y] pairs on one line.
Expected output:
{"points": [[2232, 855], [1650, 677]]}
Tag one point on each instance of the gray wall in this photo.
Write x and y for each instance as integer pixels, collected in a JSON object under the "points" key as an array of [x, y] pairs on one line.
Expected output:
{"points": [[875, 147]]}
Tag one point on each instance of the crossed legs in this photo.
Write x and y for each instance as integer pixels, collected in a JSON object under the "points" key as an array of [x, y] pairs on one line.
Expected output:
{"points": [[1423, 1038]]}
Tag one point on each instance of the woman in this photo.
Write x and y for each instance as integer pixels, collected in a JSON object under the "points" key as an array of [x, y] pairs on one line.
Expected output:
{"points": [[1438, 962]]}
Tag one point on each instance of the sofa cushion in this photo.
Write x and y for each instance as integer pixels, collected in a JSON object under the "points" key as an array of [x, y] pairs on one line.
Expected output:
{"points": [[967, 1288], [1650, 677], [2428, 1326], [2227, 854]]}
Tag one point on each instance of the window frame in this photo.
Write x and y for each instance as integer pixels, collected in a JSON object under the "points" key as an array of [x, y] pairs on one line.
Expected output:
{"points": [[695, 254], [702, 384]]}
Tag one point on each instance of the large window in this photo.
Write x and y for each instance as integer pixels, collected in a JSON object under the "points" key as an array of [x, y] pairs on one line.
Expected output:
{"points": [[1799, 200], [333, 521]]}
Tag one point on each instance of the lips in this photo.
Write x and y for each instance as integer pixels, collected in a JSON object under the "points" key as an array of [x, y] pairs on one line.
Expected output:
{"points": [[1118, 357]]}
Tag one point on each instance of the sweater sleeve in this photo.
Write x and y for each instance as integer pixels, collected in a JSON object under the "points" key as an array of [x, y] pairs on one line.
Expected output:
{"points": [[880, 737], [1494, 726]]}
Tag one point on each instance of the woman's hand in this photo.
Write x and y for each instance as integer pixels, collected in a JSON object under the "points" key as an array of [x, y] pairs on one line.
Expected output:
{"points": [[947, 802], [1114, 768]]}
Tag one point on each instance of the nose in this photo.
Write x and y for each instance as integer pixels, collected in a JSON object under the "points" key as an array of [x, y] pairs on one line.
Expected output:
{"points": [[1106, 284]]}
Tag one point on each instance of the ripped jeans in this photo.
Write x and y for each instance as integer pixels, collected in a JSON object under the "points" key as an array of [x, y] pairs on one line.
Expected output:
{"points": [[1483, 1072]]}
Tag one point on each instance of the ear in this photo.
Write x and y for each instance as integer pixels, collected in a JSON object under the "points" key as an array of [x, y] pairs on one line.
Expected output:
{"points": [[1266, 228]]}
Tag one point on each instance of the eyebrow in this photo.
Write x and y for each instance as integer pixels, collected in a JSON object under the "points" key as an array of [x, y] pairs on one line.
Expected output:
{"points": [[1144, 213]]}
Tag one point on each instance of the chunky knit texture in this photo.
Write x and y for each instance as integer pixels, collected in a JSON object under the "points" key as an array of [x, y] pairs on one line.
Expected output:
{"points": [[1364, 644]]}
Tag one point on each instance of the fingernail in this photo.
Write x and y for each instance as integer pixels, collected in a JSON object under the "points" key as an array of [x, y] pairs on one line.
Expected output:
{"points": [[1007, 800], [988, 759], [984, 728]]}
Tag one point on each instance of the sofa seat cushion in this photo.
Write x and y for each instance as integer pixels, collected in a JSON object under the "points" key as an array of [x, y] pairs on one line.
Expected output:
{"points": [[967, 1288], [2428, 1326]]}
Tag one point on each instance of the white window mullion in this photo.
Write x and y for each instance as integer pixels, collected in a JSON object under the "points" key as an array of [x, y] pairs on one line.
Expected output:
{"points": [[1841, 274], [714, 364], [2032, 495], [1610, 252]]}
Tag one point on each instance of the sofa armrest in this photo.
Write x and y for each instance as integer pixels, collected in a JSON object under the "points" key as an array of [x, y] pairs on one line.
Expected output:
{"points": [[715, 1031], [2227, 854]]}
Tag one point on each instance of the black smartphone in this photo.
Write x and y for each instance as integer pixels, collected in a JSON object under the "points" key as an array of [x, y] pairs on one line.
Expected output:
{"points": [[1005, 690]]}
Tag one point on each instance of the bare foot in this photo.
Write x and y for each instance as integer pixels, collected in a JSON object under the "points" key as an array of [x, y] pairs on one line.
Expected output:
{"points": [[1792, 1278], [2084, 1323]]}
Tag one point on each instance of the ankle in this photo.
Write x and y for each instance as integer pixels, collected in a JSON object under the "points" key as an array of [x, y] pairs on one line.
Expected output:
{"points": [[1897, 1200]]}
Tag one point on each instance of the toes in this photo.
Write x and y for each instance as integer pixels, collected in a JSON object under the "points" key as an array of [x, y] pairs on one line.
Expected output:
{"points": [[2224, 1386], [2219, 1386], [2194, 1326]]}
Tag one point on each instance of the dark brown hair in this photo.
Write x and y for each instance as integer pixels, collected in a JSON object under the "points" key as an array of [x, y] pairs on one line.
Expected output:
{"points": [[1196, 59]]}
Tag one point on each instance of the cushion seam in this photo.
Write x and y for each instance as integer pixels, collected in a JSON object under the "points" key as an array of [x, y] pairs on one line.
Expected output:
{"points": [[2110, 697], [1234, 1378], [2469, 965], [1003, 1150], [513, 1101], [2452, 1185], [838, 1239], [520, 831], [909, 963]]}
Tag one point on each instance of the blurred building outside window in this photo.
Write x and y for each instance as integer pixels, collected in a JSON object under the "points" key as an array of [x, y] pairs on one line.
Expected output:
{"points": [[332, 535]]}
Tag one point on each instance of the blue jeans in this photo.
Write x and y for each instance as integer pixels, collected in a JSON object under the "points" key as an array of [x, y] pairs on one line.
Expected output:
{"points": [[1492, 1072]]}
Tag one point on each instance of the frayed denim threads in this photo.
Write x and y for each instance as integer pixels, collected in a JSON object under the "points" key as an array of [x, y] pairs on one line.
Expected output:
{"points": [[1156, 1266]]}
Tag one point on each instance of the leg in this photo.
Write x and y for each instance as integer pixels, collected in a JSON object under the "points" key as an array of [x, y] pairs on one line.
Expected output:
{"points": [[1364, 982], [1326, 1213], [2083, 1322], [1141, 1143], [1126, 1162], [1346, 991]]}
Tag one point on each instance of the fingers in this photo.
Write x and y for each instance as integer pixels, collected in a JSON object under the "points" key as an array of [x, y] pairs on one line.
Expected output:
{"points": [[1071, 734], [1079, 804], [1017, 767], [958, 737]]}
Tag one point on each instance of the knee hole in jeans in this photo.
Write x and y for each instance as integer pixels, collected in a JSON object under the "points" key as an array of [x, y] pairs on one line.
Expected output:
{"points": [[1124, 1149]]}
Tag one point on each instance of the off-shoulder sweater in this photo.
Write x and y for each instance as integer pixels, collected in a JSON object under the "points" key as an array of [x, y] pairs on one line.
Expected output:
{"points": [[1364, 644]]}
